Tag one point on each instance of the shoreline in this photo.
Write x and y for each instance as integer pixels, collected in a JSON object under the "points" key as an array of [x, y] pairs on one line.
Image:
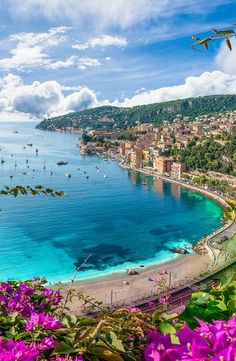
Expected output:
{"points": [[118, 289]]}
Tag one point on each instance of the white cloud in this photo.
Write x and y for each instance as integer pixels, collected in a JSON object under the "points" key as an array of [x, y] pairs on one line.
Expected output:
{"points": [[72, 60], [88, 62], [31, 49], [102, 42], [41, 99], [208, 83], [105, 13], [226, 60]]}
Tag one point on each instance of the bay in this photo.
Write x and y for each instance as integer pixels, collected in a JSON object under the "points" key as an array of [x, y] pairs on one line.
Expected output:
{"points": [[120, 221]]}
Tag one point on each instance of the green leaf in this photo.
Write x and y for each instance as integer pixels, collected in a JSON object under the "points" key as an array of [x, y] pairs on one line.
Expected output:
{"points": [[116, 343], [62, 349], [215, 31], [166, 328], [228, 31], [228, 44], [174, 339], [105, 353]]}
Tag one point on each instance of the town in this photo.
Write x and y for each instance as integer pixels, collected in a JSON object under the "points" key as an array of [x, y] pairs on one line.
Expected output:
{"points": [[159, 148]]}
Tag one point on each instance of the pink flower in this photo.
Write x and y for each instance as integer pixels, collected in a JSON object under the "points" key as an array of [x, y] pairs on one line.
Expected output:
{"points": [[151, 303], [132, 309], [163, 299], [41, 319], [47, 343]]}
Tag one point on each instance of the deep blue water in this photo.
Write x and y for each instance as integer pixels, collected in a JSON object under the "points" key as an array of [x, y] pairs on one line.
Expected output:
{"points": [[119, 220]]}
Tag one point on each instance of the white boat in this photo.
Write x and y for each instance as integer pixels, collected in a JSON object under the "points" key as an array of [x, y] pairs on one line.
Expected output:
{"points": [[62, 162], [105, 176], [68, 175]]}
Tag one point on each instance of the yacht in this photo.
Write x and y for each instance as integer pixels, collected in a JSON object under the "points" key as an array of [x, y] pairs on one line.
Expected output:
{"points": [[62, 162]]}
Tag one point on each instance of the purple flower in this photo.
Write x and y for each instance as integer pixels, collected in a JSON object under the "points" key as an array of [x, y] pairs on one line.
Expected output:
{"points": [[47, 343], [17, 351], [215, 341], [132, 309], [41, 319], [151, 303], [163, 299]]}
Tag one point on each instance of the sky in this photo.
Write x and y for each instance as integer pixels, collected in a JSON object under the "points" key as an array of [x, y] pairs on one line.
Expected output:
{"points": [[58, 56]]}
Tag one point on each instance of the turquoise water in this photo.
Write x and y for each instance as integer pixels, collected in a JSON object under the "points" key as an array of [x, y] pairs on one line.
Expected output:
{"points": [[120, 221]]}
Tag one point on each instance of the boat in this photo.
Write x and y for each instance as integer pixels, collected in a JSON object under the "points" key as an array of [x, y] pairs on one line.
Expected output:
{"points": [[105, 176], [30, 144], [2, 161], [62, 162], [68, 175], [87, 176], [15, 131]]}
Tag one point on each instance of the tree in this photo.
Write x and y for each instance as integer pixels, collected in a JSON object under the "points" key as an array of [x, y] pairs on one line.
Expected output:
{"points": [[224, 34]]}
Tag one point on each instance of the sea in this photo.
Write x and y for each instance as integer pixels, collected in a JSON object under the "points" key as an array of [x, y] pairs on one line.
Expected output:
{"points": [[120, 218]]}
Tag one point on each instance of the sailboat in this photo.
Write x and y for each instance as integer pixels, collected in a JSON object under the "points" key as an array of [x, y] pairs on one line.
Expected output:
{"points": [[11, 176]]}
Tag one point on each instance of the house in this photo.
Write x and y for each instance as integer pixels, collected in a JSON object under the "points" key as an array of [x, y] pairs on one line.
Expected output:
{"points": [[176, 169]]}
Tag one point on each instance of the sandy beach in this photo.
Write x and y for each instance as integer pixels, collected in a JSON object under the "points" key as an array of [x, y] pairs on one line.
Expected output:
{"points": [[120, 289]]}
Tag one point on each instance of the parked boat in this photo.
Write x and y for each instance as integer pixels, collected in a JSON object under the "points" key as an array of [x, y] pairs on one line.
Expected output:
{"points": [[30, 144], [62, 162]]}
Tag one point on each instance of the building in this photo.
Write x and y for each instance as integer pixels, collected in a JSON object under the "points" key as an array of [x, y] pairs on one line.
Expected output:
{"points": [[176, 170], [163, 165], [136, 158]]}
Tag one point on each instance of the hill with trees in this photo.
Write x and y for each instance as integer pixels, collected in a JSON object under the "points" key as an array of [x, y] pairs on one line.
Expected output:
{"points": [[111, 118]]}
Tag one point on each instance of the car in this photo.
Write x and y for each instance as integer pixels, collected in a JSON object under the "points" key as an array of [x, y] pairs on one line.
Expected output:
{"points": [[223, 239]]}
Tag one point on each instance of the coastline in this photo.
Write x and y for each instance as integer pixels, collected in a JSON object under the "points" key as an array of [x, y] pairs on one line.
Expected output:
{"points": [[118, 289]]}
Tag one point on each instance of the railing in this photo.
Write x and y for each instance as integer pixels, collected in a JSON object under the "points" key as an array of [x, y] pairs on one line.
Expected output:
{"points": [[179, 292]]}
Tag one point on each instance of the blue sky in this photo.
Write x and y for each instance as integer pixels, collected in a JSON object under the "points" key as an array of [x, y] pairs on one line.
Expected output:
{"points": [[58, 56]]}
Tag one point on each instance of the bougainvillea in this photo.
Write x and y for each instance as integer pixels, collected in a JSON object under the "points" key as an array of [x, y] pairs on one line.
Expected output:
{"points": [[36, 325], [215, 341]]}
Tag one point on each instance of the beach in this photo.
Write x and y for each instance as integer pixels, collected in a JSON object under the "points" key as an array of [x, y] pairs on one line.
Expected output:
{"points": [[114, 291]]}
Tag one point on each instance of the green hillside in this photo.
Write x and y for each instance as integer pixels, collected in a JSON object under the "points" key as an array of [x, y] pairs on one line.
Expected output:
{"points": [[110, 118]]}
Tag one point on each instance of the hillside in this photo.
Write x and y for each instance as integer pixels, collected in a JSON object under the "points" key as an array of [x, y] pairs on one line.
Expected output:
{"points": [[110, 118]]}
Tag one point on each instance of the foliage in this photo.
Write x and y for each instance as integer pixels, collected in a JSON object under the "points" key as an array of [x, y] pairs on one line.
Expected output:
{"points": [[216, 303], [210, 156], [28, 190], [223, 34], [114, 118], [34, 327], [230, 210]]}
